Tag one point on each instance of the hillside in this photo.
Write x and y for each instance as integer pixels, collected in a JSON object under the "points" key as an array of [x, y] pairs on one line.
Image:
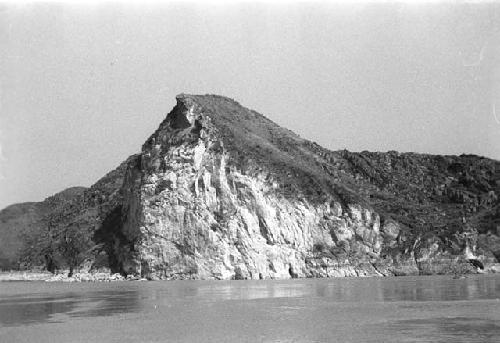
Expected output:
{"points": [[29, 232], [24, 219], [220, 191]]}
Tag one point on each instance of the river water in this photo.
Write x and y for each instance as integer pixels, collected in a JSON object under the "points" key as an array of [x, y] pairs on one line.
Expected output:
{"points": [[406, 309]]}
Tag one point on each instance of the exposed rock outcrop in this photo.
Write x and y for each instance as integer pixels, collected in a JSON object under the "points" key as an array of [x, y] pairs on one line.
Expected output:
{"points": [[219, 191]]}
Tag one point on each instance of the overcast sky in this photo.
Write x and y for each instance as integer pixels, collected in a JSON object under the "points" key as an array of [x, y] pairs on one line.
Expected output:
{"points": [[82, 87]]}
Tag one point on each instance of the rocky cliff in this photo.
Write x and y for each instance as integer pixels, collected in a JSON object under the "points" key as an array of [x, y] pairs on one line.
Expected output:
{"points": [[219, 191]]}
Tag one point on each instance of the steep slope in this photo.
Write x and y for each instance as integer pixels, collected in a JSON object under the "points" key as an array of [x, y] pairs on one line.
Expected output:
{"points": [[219, 191], [438, 199], [24, 219], [24, 228]]}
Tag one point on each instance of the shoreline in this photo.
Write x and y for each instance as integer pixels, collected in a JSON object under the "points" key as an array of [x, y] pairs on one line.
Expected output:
{"points": [[7, 276], [62, 277]]}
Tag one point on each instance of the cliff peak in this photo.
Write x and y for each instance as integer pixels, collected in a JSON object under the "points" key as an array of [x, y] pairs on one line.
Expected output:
{"points": [[198, 97], [252, 142], [218, 106]]}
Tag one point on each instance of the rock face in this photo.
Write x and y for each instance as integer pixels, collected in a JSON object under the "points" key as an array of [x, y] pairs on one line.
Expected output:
{"points": [[219, 191]]}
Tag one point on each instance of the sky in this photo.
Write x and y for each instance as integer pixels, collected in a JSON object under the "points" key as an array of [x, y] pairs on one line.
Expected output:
{"points": [[83, 86]]}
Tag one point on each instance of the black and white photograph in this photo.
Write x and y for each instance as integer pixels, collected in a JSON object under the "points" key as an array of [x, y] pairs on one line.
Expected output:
{"points": [[249, 171]]}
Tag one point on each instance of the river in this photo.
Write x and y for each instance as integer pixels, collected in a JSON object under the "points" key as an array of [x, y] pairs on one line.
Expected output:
{"points": [[403, 309]]}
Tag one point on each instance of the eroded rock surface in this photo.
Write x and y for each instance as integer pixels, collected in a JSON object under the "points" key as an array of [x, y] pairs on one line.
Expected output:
{"points": [[219, 191]]}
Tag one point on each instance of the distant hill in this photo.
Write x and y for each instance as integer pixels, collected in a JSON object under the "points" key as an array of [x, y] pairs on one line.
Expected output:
{"points": [[23, 219]]}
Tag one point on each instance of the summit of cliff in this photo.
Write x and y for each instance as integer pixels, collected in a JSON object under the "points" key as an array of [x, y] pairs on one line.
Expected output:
{"points": [[256, 144]]}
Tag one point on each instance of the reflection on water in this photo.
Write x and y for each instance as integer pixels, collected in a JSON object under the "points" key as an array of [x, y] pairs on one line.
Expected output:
{"points": [[441, 289], [408, 309], [33, 308], [454, 329], [25, 310], [364, 290]]}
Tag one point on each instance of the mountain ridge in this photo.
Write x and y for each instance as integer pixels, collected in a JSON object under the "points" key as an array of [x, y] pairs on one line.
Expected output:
{"points": [[220, 191]]}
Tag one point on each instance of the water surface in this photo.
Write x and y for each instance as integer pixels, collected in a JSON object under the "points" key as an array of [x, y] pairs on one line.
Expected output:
{"points": [[408, 309]]}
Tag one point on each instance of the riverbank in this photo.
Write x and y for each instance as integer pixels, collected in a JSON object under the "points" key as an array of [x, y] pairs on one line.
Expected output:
{"points": [[25, 276], [61, 277], [491, 268]]}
